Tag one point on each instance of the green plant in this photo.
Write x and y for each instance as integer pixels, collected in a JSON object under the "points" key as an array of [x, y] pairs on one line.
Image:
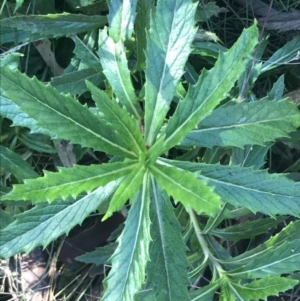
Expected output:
{"points": [[153, 137]]}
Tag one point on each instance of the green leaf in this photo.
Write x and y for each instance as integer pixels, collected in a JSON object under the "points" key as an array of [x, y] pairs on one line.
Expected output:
{"points": [[11, 60], [282, 259], [15, 164], [125, 126], [245, 187], [53, 25], [205, 293], [262, 288], [167, 268], [185, 187], [129, 260], [246, 81], [5, 219], [144, 295], [255, 189], [11, 35], [115, 67], [10, 110], [289, 233], [37, 142], [245, 123], [222, 253], [18, 4], [99, 256], [277, 90], [206, 11], [190, 75], [203, 35], [76, 122], [69, 182], [74, 82], [284, 55], [213, 222], [227, 294], [155, 150], [208, 49], [211, 88], [246, 230], [142, 23], [250, 155], [168, 46], [46, 222], [85, 53], [4, 189], [121, 17], [126, 190]]}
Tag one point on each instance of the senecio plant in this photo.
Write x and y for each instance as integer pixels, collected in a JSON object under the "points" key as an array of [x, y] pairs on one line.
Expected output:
{"points": [[175, 205]]}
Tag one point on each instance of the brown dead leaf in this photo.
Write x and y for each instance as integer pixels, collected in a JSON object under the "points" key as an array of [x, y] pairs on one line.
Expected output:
{"points": [[44, 48], [294, 96]]}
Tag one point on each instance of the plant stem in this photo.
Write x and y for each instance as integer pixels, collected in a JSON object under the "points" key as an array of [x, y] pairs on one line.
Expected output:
{"points": [[207, 254]]}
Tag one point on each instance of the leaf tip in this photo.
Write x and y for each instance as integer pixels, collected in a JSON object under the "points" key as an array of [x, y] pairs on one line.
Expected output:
{"points": [[106, 216]]}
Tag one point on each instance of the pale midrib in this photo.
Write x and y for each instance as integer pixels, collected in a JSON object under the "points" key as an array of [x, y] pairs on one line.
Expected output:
{"points": [[152, 123], [160, 222], [125, 22], [212, 180], [180, 186], [84, 180], [129, 101], [247, 258], [129, 132], [225, 183], [136, 237], [9, 160], [278, 61], [46, 223], [264, 266], [239, 125], [136, 176], [213, 288], [73, 121], [187, 121], [254, 255], [86, 48]]}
